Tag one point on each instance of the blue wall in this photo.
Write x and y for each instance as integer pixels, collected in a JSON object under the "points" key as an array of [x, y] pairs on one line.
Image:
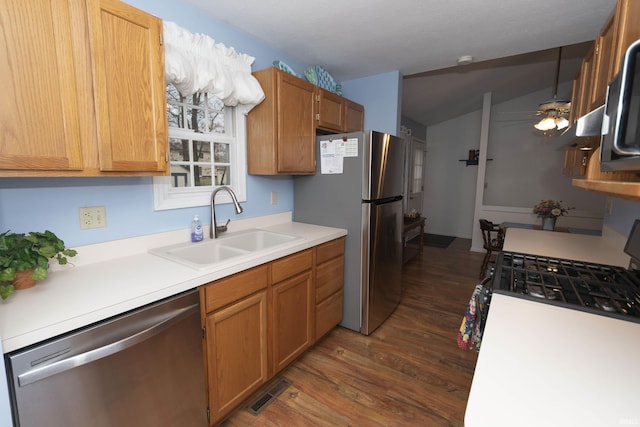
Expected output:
{"points": [[36, 204], [380, 94]]}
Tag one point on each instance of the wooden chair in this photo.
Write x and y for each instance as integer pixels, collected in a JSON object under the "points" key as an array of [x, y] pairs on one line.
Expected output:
{"points": [[493, 236]]}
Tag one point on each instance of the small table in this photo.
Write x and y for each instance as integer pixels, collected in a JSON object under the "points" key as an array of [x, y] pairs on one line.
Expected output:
{"points": [[409, 250]]}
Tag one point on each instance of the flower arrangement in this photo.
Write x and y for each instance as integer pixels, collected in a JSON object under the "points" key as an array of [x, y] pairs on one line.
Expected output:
{"points": [[550, 209]]}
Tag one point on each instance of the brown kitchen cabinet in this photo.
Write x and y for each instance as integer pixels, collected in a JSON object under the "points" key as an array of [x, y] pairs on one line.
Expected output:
{"points": [[329, 286], [236, 341], [281, 129], [602, 63], [331, 113], [79, 97], [354, 116], [604, 59], [292, 307], [604, 47], [258, 321], [338, 114]]}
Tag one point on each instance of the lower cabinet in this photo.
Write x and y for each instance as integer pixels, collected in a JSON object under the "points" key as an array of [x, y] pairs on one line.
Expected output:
{"points": [[235, 347], [292, 308], [329, 286], [256, 322]]}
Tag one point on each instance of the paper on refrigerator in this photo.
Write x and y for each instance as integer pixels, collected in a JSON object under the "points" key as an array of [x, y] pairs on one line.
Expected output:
{"points": [[333, 152]]}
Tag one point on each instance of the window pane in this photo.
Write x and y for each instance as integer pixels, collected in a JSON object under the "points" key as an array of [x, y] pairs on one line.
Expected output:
{"points": [[201, 151], [179, 150], [180, 176], [220, 152], [202, 175], [222, 175], [175, 115], [214, 103], [196, 119]]}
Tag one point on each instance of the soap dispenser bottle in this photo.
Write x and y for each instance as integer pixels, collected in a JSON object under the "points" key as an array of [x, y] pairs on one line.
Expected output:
{"points": [[196, 229]]}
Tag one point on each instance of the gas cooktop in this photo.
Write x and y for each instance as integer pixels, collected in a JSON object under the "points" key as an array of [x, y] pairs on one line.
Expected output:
{"points": [[600, 289]]}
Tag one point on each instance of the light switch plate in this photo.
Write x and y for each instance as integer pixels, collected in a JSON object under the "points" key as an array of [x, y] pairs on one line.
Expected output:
{"points": [[93, 217]]}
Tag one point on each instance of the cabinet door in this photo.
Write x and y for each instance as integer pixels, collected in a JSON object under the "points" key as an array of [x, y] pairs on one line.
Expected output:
{"points": [[292, 308], [331, 112], [128, 61], [603, 57], [39, 125], [354, 116], [236, 345], [296, 125], [586, 81], [627, 31]]}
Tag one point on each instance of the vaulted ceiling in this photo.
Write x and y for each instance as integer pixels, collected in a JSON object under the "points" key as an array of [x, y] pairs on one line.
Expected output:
{"points": [[513, 43]]}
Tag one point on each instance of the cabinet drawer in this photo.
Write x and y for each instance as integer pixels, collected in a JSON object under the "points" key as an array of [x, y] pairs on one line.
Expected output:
{"points": [[225, 291], [328, 314], [329, 278], [291, 265], [332, 249]]}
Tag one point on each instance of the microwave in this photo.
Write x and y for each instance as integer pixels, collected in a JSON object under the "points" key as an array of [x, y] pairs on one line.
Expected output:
{"points": [[620, 140]]}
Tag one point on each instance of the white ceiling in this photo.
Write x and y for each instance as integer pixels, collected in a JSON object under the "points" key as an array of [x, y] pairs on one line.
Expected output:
{"points": [[359, 38]]}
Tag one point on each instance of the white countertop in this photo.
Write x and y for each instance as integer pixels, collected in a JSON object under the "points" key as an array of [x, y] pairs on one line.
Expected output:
{"points": [[110, 278], [543, 365], [579, 247]]}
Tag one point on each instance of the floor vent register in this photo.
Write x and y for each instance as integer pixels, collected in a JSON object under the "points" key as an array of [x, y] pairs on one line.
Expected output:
{"points": [[262, 401]]}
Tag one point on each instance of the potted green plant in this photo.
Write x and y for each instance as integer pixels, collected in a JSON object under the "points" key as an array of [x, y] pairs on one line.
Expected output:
{"points": [[25, 259]]}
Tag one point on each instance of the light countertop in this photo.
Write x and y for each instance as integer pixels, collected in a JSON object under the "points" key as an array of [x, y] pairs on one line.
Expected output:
{"points": [[110, 278], [543, 365], [579, 247]]}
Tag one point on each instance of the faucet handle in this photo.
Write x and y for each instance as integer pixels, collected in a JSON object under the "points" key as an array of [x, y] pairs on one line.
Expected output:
{"points": [[222, 228]]}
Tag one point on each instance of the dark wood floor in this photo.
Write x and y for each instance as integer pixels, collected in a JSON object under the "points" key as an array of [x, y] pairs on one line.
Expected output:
{"points": [[409, 372]]}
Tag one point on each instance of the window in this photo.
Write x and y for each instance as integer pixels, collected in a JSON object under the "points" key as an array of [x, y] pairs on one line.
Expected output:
{"points": [[206, 149], [418, 160]]}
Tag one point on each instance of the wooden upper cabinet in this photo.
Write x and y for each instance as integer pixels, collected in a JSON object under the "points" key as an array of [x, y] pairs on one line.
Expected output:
{"points": [[338, 114], [129, 87], [575, 99], [626, 31], [354, 116], [39, 123], [604, 48], [281, 129], [331, 113], [586, 83], [83, 89]]}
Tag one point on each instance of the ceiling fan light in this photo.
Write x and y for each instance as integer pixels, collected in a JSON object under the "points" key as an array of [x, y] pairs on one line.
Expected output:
{"points": [[562, 123], [545, 124]]}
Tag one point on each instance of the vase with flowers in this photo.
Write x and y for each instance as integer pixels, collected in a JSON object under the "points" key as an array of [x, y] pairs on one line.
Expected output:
{"points": [[549, 210]]}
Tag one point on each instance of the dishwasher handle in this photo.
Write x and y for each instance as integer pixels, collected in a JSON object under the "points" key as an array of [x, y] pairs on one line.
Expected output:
{"points": [[57, 367]]}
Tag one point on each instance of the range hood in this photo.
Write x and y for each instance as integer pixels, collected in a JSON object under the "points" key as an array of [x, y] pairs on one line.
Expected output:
{"points": [[590, 124]]}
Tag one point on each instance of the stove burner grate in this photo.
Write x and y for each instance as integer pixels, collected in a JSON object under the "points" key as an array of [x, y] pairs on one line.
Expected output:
{"points": [[599, 288]]}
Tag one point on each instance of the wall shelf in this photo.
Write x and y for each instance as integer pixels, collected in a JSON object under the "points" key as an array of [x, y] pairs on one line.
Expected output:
{"points": [[471, 162]]}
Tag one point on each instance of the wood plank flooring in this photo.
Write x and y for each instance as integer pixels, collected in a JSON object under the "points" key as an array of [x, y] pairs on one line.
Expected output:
{"points": [[409, 372]]}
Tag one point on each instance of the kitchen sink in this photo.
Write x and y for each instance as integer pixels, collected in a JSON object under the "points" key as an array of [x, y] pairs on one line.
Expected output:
{"points": [[255, 240], [204, 254]]}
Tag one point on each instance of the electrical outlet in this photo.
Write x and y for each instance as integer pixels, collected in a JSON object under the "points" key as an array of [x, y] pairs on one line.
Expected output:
{"points": [[93, 217], [274, 198]]}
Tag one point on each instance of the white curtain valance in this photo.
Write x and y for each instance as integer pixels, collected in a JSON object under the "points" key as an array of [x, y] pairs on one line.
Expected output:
{"points": [[196, 63]]}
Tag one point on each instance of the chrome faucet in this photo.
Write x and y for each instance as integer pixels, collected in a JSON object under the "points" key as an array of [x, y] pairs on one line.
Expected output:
{"points": [[215, 228]]}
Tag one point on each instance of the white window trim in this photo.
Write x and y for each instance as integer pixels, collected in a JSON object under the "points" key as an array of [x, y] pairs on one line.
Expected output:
{"points": [[165, 197]]}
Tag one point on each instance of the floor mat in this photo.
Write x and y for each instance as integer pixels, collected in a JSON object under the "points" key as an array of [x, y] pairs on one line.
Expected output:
{"points": [[435, 240]]}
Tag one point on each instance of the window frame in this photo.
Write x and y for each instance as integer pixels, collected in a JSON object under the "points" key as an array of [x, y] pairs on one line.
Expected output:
{"points": [[166, 197]]}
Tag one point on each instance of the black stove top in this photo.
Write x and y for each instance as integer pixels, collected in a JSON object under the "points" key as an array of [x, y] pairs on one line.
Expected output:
{"points": [[601, 289]]}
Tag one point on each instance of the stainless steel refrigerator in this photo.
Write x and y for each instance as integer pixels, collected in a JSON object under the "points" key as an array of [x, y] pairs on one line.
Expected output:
{"points": [[358, 185]]}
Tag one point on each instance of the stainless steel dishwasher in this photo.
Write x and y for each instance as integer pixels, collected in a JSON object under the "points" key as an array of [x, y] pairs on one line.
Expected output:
{"points": [[142, 368]]}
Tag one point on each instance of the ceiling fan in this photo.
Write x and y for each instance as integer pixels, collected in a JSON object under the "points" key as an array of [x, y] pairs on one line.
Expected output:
{"points": [[555, 111]]}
